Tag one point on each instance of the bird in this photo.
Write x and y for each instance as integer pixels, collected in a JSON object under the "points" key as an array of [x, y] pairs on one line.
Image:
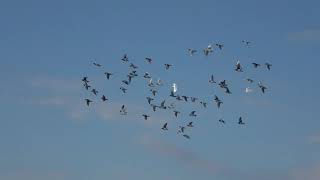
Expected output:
{"points": [[190, 124], [240, 121], [220, 46], [133, 66], [181, 129], [149, 60], [248, 90], [146, 75], [228, 90], [164, 127], [167, 66], [154, 107], [193, 99], [172, 94], [123, 110], [159, 82], [255, 65], [222, 121], [108, 74], [178, 98], [125, 82], [204, 104], [223, 84], [247, 43], [268, 65], [150, 83], [162, 105], [149, 99], [124, 90], [191, 51], [218, 101], [154, 92], [87, 86], [97, 64], [94, 91], [185, 98], [88, 101], [125, 58], [193, 113], [249, 80], [262, 87], [85, 79], [103, 98], [186, 136], [211, 80], [145, 116], [208, 50], [176, 113], [238, 67]]}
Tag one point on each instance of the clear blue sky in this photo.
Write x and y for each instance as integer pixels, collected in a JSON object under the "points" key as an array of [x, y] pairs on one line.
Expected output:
{"points": [[46, 131]]}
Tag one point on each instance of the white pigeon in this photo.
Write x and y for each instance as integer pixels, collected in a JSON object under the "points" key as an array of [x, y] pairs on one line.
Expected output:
{"points": [[174, 87], [248, 90]]}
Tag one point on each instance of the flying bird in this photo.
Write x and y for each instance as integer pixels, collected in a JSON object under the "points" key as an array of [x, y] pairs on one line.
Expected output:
{"points": [[191, 51], [85, 79], [176, 113], [154, 92], [86, 85], [88, 101], [193, 99], [249, 80], [162, 105], [193, 113], [208, 50], [220, 46], [167, 66], [145, 116], [154, 107], [149, 100], [211, 80], [133, 66], [185, 98], [222, 121], [190, 124], [125, 58], [255, 65], [94, 91], [146, 75], [123, 110], [238, 67], [103, 98], [97, 64], [149, 60], [108, 74], [240, 121], [124, 90], [268, 65], [262, 87], [204, 104], [186, 136], [164, 127], [125, 82]]}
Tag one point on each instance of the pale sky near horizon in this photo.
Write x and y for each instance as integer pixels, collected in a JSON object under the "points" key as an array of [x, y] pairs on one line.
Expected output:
{"points": [[47, 132]]}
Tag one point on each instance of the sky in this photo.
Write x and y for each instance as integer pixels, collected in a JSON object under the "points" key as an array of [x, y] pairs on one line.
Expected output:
{"points": [[47, 132]]}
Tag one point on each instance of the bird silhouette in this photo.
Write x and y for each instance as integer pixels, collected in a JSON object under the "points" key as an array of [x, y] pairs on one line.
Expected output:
{"points": [[164, 127], [240, 121], [108, 74], [268, 65], [103, 98], [193, 114], [88, 101], [145, 116], [149, 60]]}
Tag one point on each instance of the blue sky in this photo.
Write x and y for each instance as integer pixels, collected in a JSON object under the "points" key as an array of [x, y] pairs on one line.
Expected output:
{"points": [[47, 132]]}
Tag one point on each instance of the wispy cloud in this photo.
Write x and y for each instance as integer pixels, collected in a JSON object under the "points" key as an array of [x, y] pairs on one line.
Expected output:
{"points": [[307, 35]]}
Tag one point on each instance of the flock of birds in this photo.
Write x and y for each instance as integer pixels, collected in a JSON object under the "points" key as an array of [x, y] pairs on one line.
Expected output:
{"points": [[173, 93]]}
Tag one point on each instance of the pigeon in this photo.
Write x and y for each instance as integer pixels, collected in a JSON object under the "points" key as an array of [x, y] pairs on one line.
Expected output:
{"points": [[218, 101], [255, 65], [133, 73], [149, 60], [154, 92], [268, 65], [228, 90], [108, 74], [247, 43], [185, 98], [164, 127], [181, 129], [190, 124], [162, 105], [150, 83], [176, 113], [103, 98], [145, 116], [262, 87], [186, 136], [172, 94], [97, 64], [220, 46], [159, 82], [249, 80], [238, 67], [193, 99], [192, 51], [88, 101], [85, 79], [94, 91], [86, 85], [124, 90], [223, 84], [146, 75], [129, 78], [208, 50], [222, 121], [167, 66], [154, 107], [133, 66], [193, 113], [240, 121], [248, 90], [125, 58], [123, 110], [149, 99], [171, 106], [125, 82], [204, 104], [211, 80]]}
